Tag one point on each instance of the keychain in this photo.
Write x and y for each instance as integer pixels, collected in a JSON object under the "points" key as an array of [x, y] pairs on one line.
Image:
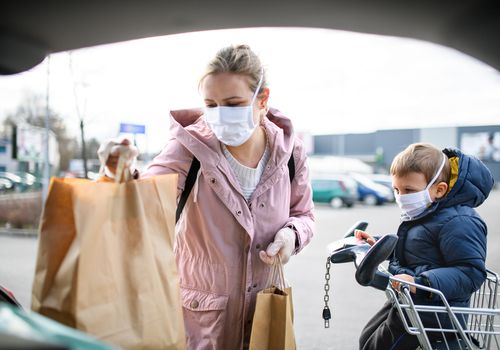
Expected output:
{"points": [[327, 315]]}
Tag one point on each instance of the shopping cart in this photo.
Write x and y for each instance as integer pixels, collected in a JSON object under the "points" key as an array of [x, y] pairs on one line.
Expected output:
{"points": [[474, 327], [437, 327]]}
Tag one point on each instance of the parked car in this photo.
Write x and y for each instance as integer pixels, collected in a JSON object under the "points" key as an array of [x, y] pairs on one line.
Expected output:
{"points": [[17, 183], [21, 181], [6, 185], [372, 193], [31, 182], [382, 179], [338, 190], [27, 178]]}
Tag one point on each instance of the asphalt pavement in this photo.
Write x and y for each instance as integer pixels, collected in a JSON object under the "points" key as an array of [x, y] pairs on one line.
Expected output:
{"points": [[351, 304]]}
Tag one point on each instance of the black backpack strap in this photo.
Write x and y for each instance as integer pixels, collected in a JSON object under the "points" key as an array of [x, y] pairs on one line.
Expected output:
{"points": [[291, 167], [188, 186], [191, 179]]}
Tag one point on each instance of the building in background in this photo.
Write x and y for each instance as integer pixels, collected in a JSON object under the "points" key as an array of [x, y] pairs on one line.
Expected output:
{"points": [[24, 151], [380, 147], [6, 161]]}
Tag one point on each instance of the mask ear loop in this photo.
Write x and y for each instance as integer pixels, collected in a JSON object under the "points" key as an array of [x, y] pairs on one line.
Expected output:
{"points": [[259, 85], [437, 173], [254, 97]]}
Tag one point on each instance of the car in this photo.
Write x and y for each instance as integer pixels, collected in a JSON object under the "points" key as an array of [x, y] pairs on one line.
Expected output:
{"points": [[382, 179], [337, 191], [6, 185], [372, 193], [16, 181], [27, 178], [30, 181], [21, 181]]}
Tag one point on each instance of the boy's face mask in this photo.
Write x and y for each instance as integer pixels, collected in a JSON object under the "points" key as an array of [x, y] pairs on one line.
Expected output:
{"points": [[414, 204], [233, 126]]}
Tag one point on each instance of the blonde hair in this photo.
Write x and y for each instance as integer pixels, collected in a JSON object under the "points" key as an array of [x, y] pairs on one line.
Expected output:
{"points": [[237, 59], [421, 158]]}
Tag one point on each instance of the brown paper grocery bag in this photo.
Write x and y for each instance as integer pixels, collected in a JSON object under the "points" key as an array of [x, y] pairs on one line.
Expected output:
{"points": [[105, 261], [272, 327]]}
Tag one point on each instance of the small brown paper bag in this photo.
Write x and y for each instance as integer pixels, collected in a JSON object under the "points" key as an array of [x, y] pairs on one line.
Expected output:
{"points": [[272, 327], [105, 261]]}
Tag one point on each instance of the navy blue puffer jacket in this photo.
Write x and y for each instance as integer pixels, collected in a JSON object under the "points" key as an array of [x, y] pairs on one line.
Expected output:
{"points": [[445, 247]]}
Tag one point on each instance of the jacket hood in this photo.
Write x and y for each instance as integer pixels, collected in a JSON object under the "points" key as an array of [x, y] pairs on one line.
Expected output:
{"points": [[190, 129], [473, 183]]}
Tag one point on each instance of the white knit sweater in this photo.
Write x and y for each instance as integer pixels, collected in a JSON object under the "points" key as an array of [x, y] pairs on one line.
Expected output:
{"points": [[248, 178]]}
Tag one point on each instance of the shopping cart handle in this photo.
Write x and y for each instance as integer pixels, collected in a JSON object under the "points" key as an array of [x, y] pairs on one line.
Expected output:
{"points": [[360, 225], [380, 280], [349, 248], [367, 273]]}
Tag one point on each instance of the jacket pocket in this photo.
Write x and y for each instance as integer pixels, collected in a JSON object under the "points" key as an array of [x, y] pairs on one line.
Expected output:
{"points": [[204, 318]]}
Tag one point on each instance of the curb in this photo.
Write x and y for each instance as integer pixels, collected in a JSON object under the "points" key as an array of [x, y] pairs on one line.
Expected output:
{"points": [[19, 232]]}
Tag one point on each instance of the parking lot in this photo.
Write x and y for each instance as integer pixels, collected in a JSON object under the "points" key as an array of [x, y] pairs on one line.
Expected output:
{"points": [[351, 304]]}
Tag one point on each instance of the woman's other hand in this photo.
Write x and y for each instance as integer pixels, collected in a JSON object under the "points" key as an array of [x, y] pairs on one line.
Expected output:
{"points": [[283, 244]]}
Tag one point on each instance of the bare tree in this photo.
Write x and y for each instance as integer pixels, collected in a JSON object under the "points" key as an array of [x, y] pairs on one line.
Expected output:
{"points": [[80, 115]]}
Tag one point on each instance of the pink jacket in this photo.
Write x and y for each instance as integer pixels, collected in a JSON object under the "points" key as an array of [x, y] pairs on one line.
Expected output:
{"points": [[219, 235]]}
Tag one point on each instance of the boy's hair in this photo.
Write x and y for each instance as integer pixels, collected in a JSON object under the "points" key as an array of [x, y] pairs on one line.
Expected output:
{"points": [[421, 158]]}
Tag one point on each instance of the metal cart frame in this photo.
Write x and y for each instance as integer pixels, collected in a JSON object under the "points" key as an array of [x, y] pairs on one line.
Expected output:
{"points": [[480, 331]]}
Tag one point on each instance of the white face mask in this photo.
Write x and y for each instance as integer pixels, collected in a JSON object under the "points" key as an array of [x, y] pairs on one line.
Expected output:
{"points": [[414, 204], [233, 126]]}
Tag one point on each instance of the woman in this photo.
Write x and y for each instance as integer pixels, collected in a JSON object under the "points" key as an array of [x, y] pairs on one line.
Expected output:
{"points": [[247, 204]]}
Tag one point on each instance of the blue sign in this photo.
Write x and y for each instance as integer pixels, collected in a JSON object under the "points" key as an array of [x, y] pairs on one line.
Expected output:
{"points": [[132, 128]]}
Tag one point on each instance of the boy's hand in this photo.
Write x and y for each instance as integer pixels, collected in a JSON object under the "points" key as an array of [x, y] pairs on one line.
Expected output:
{"points": [[404, 277], [365, 236]]}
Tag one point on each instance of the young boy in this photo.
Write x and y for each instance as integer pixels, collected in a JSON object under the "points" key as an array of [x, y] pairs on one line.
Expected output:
{"points": [[442, 240]]}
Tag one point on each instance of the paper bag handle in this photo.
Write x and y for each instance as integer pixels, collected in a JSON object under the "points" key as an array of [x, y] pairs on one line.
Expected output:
{"points": [[122, 173], [125, 154], [276, 276]]}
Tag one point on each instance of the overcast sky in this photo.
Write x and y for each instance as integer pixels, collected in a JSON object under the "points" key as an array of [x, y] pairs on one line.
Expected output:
{"points": [[326, 81]]}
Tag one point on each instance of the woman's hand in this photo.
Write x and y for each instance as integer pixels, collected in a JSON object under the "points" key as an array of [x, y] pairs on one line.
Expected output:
{"points": [[283, 244], [396, 285], [365, 236], [109, 153]]}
